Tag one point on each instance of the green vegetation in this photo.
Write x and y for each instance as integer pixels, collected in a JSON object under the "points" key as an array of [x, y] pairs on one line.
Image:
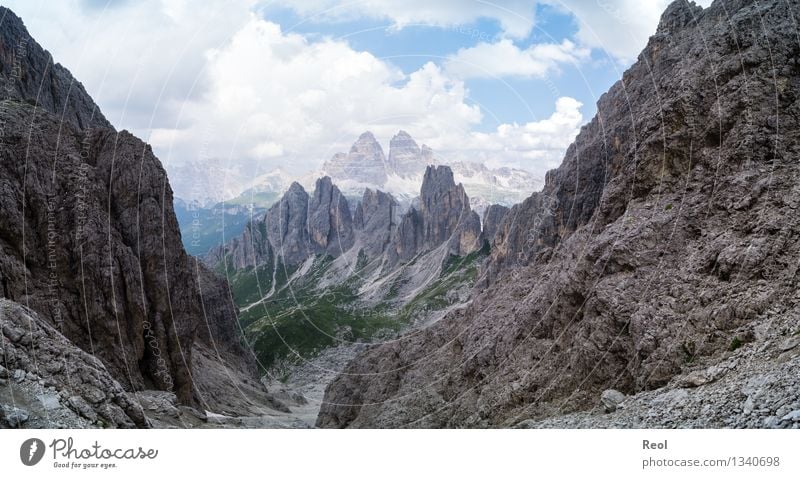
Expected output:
{"points": [[303, 317], [689, 351], [456, 271], [300, 319], [735, 344]]}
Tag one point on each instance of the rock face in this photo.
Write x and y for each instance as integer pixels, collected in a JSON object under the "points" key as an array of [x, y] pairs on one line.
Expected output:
{"points": [[295, 228], [100, 259], [299, 226], [286, 226], [444, 215], [662, 240], [406, 159], [250, 249], [492, 217], [70, 377], [365, 161], [28, 73], [402, 172], [330, 225], [375, 219]]}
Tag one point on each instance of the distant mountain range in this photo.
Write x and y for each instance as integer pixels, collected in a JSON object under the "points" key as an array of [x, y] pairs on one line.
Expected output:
{"points": [[359, 268], [400, 172], [213, 201]]}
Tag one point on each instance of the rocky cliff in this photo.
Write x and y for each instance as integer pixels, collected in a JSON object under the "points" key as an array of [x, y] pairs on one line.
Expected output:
{"points": [[89, 240], [375, 218], [492, 218], [330, 224], [403, 169], [443, 214], [664, 246], [406, 158], [28, 73], [365, 161]]}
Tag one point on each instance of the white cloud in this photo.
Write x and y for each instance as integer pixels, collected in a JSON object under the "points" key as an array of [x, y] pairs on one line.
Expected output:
{"points": [[536, 146], [213, 80], [618, 27], [139, 60], [503, 58], [278, 97], [516, 17]]}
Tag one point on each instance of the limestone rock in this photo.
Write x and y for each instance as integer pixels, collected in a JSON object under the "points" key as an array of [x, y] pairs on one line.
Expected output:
{"points": [[30, 74], [375, 221], [364, 163], [13, 417], [443, 214], [406, 159], [611, 399], [330, 225], [286, 227], [492, 217]]}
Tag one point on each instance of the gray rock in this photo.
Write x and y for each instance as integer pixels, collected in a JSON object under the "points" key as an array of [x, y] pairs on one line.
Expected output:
{"points": [[492, 217], [93, 394], [748, 406], [406, 159], [80, 406], [161, 403], [14, 417], [37, 78], [696, 378], [611, 400], [50, 401], [792, 416], [789, 344], [364, 163], [330, 225], [771, 422], [286, 225], [443, 215], [374, 220], [4, 373]]}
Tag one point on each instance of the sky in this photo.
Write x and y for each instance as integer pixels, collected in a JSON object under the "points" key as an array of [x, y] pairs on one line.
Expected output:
{"points": [[288, 83]]}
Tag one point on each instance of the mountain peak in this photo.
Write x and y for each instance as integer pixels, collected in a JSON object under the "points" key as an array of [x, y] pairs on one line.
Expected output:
{"points": [[366, 137], [35, 77], [678, 15], [296, 188], [438, 177], [406, 159]]}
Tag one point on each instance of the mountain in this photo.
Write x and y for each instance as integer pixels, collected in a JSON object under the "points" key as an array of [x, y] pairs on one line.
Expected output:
{"points": [[310, 276], [401, 172], [653, 281], [364, 163], [443, 215], [93, 272], [214, 203]]}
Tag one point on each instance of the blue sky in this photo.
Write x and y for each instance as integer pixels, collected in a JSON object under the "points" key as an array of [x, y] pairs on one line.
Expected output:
{"points": [[503, 99], [288, 83]]}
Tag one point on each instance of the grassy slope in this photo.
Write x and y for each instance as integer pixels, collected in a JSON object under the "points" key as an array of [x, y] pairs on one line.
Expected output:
{"points": [[301, 319]]}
